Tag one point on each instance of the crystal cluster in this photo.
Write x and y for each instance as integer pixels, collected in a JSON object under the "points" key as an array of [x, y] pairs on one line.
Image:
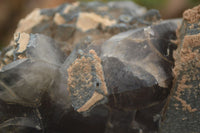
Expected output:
{"points": [[87, 67]]}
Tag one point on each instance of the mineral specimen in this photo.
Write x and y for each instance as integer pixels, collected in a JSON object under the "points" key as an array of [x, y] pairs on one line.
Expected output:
{"points": [[87, 67]]}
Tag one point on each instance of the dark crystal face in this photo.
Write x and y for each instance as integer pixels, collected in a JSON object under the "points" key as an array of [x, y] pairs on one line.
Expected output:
{"points": [[137, 66]]}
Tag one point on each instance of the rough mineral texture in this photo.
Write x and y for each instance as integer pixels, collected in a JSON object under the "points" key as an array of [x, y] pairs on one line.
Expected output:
{"points": [[93, 67], [70, 24], [86, 78], [182, 112]]}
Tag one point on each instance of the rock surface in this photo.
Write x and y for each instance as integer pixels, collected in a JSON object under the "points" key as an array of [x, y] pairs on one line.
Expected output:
{"points": [[66, 23], [182, 113], [87, 67]]}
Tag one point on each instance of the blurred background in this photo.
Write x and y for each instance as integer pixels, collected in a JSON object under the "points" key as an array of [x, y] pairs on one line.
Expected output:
{"points": [[11, 11]]}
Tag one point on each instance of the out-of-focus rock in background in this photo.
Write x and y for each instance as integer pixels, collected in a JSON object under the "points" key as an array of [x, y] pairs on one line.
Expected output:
{"points": [[12, 11], [78, 23]]}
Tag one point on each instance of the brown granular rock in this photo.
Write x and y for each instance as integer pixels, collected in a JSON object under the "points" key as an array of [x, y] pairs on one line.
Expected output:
{"points": [[182, 108], [186, 53], [23, 42], [32, 20], [58, 19], [181, 113], [86, 82], [192, 15], [87, 21]]}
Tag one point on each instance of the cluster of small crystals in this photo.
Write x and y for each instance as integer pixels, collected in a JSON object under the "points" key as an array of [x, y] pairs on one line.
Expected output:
{"points": [[70, 23]]}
